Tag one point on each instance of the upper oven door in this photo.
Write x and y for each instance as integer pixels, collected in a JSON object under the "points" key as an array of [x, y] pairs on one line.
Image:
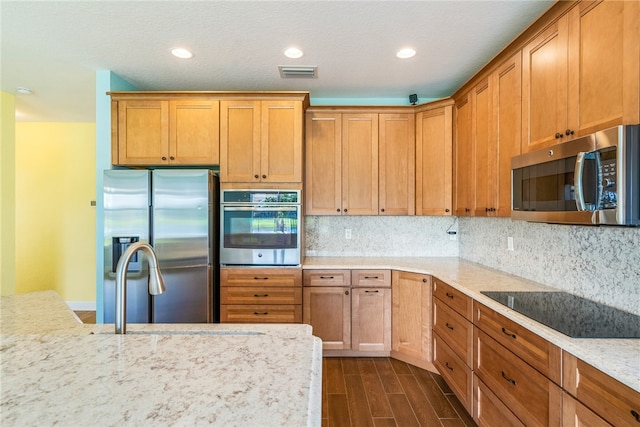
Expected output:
{"points": [[557, 185], [260, 235]]}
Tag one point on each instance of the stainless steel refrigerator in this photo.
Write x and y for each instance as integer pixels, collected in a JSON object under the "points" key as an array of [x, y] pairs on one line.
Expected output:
{"points": [[177, 212]]}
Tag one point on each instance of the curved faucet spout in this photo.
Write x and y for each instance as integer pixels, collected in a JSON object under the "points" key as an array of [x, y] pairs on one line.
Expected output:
{"points": [[156, 282]]}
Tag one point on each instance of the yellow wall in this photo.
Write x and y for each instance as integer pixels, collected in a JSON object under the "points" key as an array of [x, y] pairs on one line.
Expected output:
{"points": [[55, 222], [7, 192]]}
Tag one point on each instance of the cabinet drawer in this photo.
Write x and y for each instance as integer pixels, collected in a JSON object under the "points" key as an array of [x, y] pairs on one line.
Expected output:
{"points": [[371, 278], [454, 329], [260, 277], [528, 393], [326, 277], [261, 314], [454, 370], [453, 298], [575, 413], [532, 348], [260, 295], [488, 410], [607, 397]]}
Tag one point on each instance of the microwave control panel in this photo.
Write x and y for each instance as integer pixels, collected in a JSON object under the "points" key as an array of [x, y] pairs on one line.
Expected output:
{"points": [[609, 173]]}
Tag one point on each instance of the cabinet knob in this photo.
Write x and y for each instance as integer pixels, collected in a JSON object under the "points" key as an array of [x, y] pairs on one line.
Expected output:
{"points": [[164, 158], [338, 210], [172, 158], [345, 211], [346, 292], [446, 210], [568, 132], [559, 135], [382, 210], [256, 176], [264, 176], [424, 280]]}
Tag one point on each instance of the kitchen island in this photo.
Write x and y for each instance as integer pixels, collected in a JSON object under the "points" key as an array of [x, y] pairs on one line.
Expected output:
{"points": [[55, 370]]}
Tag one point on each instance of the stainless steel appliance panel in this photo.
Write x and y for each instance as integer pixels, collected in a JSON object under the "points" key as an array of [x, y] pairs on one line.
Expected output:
{"points": [[181, 236], [126, 220]]}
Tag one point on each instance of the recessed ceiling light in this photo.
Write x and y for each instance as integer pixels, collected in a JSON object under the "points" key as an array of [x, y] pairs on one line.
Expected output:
{"points": [[406, 53], [24, 90], [181, 53], [293, 52]]}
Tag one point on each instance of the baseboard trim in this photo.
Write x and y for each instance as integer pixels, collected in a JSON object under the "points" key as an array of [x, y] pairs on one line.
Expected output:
{"points": [[82, 305]]}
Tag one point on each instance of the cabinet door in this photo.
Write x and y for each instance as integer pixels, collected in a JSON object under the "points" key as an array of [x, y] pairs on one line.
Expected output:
{"points": [[464, 187], [544, 88], [396, 152], [434, 144], [507, 98], [281, 141], [486, 152], [328, 311], [323, 183], [240, 141], [411, 315], [194, 137], [360, 164], [371, 319], [604, 65], [143, 132]]}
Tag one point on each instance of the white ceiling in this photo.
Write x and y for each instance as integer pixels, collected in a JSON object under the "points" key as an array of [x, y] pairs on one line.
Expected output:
{"points": [[55, 47]]}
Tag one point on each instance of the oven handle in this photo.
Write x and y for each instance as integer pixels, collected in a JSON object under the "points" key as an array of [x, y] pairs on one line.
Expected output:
{"points": [[260, 209]]}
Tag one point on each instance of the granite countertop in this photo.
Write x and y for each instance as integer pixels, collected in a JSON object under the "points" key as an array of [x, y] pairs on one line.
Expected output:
{"points": [[619, 358], [55, 370]]}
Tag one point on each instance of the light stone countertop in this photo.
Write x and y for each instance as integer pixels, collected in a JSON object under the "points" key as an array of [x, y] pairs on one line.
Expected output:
{"points": [[619, 358], [55, 370]]}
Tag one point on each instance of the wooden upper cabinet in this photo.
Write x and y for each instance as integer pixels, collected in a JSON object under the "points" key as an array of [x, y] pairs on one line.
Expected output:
{"points": [[261, 141], [604, 65], [434, 144], [507, 101], [360, 164], [464, 159], [194, 132], [323, 173], [580, 74], [396, 150], [485, 148], [140, 134]]}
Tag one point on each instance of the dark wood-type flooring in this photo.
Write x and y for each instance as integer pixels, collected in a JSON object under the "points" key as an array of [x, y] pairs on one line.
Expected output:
{"points": [[379, 392]]}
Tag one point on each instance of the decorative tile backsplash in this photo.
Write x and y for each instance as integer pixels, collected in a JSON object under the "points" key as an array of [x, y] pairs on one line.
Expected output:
{"points": [[393, 236], [598, 263]]}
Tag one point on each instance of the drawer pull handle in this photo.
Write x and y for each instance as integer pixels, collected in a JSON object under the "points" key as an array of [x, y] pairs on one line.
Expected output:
{"points": [[326, 277], [260, 278], [260, 295], [448, 326], [371, 292], [258, 313], [512, 335], [636, 415], [371, 277], [449, 295], [448, 367], [512, 381]]}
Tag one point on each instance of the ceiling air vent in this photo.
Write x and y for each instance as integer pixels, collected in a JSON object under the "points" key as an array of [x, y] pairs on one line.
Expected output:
{"points": [[298, 72]]}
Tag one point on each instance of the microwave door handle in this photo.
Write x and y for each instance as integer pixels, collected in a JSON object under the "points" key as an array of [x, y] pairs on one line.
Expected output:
{"points": [[579, 170], [600, 178]]}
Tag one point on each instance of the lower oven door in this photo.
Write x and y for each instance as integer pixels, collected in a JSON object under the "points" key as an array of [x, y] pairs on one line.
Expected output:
{"points": [[252, 235]]}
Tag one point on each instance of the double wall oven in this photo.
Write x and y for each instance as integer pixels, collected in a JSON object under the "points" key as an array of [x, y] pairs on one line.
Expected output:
{"points": [[260, 227]]}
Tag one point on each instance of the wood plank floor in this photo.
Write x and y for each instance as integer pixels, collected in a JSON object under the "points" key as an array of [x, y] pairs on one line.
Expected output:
{"points": [[379, 392], [383, 391]]}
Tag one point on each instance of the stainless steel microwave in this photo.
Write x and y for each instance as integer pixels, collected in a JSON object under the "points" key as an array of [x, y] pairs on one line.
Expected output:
{"points": [[594, 179], [260, 227]]}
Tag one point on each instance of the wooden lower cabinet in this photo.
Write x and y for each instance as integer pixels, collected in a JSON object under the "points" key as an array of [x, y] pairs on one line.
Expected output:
{"points": [[488, 410], [454, 370], [411, 318], [349, 310], [535, 399], [576, 414], [260, 295]]}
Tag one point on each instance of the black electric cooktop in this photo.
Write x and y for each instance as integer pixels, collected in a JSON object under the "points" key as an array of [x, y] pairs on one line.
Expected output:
{"points": [[570, 314]]}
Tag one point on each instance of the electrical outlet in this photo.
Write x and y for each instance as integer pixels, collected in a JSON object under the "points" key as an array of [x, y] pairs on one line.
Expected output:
{"points": [[453, 236], [347, 233], [510, 243]]}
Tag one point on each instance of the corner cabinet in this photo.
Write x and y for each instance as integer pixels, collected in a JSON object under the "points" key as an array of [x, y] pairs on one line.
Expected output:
{"points": [[261, 140], [155, 129]]}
